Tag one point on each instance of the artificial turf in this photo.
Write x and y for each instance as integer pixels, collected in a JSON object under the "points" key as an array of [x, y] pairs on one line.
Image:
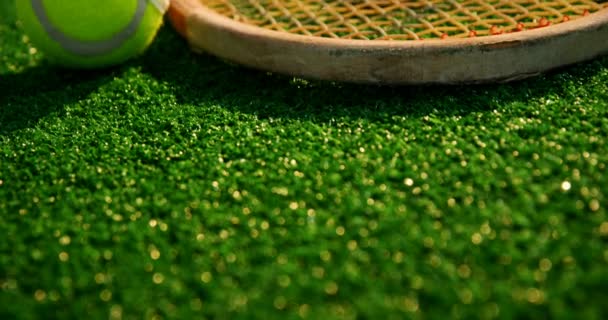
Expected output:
{"points": [[178, 186]]}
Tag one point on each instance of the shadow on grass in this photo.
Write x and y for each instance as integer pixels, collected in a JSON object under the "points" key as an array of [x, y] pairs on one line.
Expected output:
{"points": [[198, 78], [27, 97]]}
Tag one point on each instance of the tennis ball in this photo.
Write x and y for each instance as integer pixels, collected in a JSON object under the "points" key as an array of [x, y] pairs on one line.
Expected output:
{"points": [[91, 33]]}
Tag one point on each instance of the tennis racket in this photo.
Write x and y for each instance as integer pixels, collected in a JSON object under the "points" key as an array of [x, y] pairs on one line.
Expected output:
{"points": [[397, 41]]}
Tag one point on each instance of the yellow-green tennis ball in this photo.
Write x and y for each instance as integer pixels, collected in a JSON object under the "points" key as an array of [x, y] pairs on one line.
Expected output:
{"points": [[91, 33]]}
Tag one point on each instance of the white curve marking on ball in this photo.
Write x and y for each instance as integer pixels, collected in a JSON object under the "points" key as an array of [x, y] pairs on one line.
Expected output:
{"points": [[90, 48]]}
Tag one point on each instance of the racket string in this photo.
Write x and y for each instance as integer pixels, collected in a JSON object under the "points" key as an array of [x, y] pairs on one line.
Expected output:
{"points": [[400, 19]]}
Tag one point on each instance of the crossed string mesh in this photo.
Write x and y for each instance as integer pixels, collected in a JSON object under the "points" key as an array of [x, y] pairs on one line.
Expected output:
{"points": [[402, 20]]}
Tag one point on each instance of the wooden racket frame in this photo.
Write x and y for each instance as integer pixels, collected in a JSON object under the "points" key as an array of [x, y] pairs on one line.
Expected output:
{"points": [[495, 58]]}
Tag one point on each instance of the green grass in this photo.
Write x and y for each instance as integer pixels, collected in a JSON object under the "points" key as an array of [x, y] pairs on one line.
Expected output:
{"points": [[177, 186]]}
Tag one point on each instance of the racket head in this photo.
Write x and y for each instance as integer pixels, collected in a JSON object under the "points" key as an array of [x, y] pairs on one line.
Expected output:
{"points": [[457, 58]]}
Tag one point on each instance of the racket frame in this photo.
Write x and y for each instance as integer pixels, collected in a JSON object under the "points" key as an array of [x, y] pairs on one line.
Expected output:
{"points": [[493, 58]]}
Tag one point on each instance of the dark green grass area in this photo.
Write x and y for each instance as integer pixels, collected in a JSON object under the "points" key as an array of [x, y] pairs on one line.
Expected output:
{"points": [[179, 187]]}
